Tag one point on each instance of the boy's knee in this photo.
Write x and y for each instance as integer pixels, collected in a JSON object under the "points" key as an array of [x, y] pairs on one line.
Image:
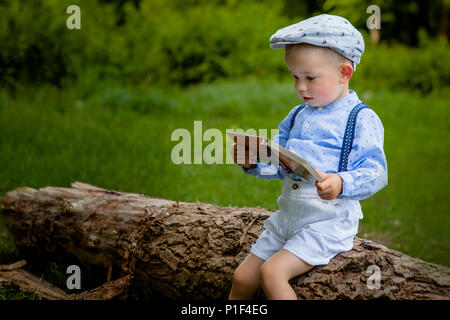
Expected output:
{"points": [[268, 271], [241, 278]]}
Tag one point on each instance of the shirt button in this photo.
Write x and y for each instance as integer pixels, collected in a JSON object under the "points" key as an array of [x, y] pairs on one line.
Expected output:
{"points": [[295, 186]]}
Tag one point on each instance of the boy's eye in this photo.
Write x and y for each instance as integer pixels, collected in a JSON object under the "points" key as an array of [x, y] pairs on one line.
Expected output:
{"points": [[308, 77]]}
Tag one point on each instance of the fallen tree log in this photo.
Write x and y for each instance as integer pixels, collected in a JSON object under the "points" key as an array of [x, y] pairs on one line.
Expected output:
{"points": [[190, 250]]}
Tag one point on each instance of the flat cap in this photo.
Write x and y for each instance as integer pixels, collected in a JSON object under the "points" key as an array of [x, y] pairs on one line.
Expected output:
{"points": [[324, 30]]}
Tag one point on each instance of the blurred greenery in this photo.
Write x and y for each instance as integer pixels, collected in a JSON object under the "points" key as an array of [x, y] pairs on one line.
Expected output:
{"points": [[99, 104], [187, 42]]}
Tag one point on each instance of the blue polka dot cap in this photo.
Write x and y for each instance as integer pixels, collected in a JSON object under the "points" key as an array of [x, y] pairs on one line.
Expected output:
{"points": [[324, 30]]}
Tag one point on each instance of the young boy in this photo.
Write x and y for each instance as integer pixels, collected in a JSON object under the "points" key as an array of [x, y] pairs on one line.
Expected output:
{"points": [[336, 134]]}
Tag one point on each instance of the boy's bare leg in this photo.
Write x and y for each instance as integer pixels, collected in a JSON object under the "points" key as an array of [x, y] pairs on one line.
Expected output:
{"points": [[276, 273], [246, 278]]}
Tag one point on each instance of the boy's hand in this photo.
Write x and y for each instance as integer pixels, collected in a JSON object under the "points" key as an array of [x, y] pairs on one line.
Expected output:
{"points": [[249, 155], [330, 187]]}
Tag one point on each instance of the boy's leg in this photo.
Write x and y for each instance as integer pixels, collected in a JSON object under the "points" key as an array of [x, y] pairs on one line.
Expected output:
{"points": [[246, 278], [276, 273]]}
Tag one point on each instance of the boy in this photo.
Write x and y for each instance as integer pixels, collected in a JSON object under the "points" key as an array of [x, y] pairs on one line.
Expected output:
{"points": [[336, 134]]}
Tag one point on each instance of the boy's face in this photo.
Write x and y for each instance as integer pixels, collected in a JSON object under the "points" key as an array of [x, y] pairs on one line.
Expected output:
{"points": [[317, 74]]}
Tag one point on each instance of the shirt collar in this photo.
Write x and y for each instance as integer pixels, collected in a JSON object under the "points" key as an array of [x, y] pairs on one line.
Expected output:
{"points": [[349, 100]]}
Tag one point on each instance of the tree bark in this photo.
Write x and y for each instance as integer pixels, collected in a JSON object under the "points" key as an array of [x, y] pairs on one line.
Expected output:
{"points": [[190, 250]]}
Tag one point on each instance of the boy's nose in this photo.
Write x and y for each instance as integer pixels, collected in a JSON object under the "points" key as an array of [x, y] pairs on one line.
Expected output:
{"points": [[300, 85]]}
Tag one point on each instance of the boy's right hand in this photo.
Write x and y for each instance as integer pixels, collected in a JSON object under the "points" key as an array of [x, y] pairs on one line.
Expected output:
{"points": [[246, 160]]}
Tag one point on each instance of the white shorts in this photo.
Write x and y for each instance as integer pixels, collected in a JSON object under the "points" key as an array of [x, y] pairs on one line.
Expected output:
{"points": [[312, 229]]}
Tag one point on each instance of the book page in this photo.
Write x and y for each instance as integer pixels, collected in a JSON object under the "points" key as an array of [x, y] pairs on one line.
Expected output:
{"points": [[276, 154], [295, 163]]}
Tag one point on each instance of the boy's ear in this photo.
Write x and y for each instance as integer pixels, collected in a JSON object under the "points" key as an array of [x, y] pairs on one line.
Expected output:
{"points": [[346, 72]]}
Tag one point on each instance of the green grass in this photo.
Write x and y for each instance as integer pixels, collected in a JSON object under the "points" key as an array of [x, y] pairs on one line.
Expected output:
{"points": [[119, 138], [13, 292]]}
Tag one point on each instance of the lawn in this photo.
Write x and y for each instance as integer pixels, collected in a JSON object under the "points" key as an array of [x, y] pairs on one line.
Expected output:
{"points": [[119, 137]]}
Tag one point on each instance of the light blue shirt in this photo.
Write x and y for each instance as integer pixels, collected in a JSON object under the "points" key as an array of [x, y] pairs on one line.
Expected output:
{"points": [[317, 137]]}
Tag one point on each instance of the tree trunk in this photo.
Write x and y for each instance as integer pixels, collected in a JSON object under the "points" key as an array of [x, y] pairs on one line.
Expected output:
{"points": [[190, 250]]}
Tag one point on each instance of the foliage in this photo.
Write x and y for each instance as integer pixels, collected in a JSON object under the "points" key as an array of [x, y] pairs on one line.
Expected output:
{"points": [[156, 42], [187, 42], [425, 68], [401, 20]]}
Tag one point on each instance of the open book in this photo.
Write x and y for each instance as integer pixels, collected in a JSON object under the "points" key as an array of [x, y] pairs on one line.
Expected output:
{"points": [[276, 154]]}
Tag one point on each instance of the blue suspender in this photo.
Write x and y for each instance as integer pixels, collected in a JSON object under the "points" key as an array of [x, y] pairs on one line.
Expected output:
{"points": [[349, 135], [292, 125], [295, 115]]}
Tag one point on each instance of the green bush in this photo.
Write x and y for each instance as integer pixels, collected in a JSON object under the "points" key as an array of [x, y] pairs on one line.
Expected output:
{"points": [[198, 43], [36, 45], [424, 68], [162, 41], [179, 42]]}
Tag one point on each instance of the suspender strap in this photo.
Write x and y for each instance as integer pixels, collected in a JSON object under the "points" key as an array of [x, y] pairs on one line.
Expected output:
{"points": [[299, 108], [295, 115], [348, 136]]}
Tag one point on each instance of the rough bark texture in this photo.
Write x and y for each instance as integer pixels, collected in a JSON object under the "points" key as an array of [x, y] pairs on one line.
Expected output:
{"points": [[190, 250]]}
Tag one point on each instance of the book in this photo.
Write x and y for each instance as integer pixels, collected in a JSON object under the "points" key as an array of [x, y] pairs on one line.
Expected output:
{"points": [[290, 161]]}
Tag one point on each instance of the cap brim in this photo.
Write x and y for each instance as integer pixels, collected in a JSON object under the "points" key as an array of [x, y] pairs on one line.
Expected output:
{"points": [[280, 45]]}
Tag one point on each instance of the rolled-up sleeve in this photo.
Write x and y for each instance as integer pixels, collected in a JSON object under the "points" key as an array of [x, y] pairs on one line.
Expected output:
{"points": [[367, 167]]}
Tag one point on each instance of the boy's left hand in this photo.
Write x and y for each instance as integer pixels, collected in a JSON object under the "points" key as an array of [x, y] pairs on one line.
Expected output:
{"points": [[330, 187]]}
